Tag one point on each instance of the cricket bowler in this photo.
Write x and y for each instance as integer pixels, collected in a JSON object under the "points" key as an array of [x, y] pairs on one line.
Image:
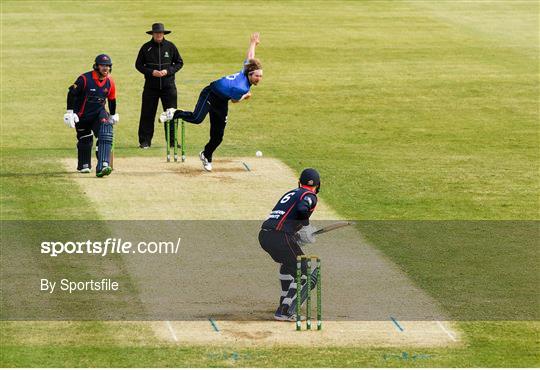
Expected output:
{"points": [[214, 99]]}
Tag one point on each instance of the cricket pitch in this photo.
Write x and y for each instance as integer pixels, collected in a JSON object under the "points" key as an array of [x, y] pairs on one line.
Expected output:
{"points": [[359, 276]]}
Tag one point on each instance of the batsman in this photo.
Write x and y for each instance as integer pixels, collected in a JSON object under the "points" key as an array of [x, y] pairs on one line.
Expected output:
{"points": [[87, 115], [281, 236]]}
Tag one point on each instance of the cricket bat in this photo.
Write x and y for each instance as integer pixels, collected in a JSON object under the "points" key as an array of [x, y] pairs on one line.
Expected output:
{"points": [[334, 226]]}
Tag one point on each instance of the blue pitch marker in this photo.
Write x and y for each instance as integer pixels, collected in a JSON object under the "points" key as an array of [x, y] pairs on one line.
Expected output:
{"points": [[396, 323], [214, 324]]}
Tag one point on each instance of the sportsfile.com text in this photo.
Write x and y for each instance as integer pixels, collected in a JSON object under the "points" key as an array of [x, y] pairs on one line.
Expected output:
{"points": [[109, 246]]}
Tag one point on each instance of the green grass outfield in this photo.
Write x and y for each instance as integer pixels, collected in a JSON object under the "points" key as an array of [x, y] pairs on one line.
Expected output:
{"points": [[411, 110]]}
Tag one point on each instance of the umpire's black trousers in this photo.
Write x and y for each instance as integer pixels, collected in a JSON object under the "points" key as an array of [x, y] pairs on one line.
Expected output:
{"points": [[150, 99]]}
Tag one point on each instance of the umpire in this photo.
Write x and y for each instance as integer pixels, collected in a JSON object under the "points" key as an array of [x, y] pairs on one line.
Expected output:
{"points": [[158, 61]]}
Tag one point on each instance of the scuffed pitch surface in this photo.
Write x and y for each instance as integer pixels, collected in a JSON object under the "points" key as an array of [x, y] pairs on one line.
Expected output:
{"points": [[334, 333], [356, 275], [149, 188]]}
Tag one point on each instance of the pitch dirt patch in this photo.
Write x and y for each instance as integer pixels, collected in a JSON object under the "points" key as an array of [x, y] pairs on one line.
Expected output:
{"points": [[334, 334], [232, 307], [148, 188]]}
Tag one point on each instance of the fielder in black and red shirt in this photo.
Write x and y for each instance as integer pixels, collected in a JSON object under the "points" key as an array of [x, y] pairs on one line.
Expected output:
{"points": [[86, 113], [279, 237]]}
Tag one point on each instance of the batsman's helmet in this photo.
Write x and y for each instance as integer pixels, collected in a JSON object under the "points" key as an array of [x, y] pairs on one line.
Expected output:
{"points": [[310, 177], [103, 60]]}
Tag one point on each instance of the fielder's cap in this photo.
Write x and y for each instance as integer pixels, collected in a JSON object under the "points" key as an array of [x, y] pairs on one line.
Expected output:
{"points": [[158, 27]]}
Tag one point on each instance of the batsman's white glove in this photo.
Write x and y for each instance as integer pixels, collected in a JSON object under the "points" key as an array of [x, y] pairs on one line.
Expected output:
{"points": [[70, 118], [114, 119], [305, 235]]}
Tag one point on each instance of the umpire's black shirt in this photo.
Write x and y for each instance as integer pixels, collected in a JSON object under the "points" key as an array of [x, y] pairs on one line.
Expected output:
{"points": [[158, 56]]}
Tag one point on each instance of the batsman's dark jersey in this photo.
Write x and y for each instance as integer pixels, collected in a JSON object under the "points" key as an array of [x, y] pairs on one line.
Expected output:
{"points": [[88, 95], [277, 237], [292, 211]]}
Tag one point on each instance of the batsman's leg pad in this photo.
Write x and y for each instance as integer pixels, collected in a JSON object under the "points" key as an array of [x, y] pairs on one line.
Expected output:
{"points": [[303, 292], [285, 279], [105, 139], [289, 301], [84, 151], [289, 298]]}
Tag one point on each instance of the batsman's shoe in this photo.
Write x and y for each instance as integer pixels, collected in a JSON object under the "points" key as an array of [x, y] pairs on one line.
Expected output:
{"points": [[205, 163], [105, 171], [85, 169], [288, 318], [280, 316]]}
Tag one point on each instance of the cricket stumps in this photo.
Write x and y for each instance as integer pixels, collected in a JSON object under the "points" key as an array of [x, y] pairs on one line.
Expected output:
{"points": [[308, 260], [183, 141], [174, 124]]}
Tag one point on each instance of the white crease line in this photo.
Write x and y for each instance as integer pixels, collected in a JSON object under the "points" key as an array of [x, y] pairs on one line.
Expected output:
{"points": [[171, 330], [446, 331]]}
